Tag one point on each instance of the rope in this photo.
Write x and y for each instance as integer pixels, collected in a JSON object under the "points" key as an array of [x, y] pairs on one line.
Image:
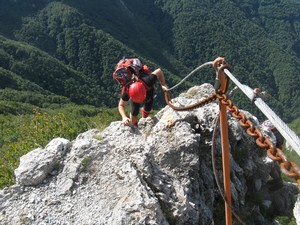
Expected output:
{"points": [[187, 76], [195, 105], [217, 121]]}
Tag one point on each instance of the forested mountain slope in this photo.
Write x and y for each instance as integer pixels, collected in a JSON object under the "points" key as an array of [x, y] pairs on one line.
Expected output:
{"points": [[239, 31], [70, 47]]}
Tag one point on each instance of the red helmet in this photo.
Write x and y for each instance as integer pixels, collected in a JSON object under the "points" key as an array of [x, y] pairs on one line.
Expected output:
{"points": [[137, 92]]}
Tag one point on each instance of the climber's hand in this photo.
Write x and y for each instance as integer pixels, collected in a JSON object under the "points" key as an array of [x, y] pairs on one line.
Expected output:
{"points": [[164, 88], [126, 121]]}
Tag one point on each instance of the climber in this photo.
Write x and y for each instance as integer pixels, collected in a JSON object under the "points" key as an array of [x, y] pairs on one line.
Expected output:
{"points": [[137, 86], [275, 172]]}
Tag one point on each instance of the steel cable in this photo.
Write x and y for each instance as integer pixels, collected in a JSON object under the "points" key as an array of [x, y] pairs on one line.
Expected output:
{"points": [[187, 76]]}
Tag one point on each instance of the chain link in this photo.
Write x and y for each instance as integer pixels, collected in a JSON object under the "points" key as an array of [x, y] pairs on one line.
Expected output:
{"points": [[290, 169], [209, 99]]}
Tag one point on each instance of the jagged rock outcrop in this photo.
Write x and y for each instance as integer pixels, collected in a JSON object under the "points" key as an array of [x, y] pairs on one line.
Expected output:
{"points": [[160, 173]]}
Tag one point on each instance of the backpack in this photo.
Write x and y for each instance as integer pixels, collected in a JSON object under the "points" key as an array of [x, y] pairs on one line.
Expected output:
{"points": [[126, 69]]}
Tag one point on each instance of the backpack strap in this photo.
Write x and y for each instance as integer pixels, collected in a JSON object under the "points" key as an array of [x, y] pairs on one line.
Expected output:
{"points": [[148, 88], [146, 70]]}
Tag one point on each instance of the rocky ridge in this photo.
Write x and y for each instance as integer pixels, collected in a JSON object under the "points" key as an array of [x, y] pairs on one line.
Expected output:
{"points": [[160, 174]]}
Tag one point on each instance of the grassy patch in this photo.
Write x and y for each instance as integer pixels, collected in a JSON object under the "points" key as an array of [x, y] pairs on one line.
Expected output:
{"points": [[23, 133]]}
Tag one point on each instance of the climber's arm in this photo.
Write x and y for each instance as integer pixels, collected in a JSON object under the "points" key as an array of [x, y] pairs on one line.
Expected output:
{"points": [[122, 111], [160, 76]]}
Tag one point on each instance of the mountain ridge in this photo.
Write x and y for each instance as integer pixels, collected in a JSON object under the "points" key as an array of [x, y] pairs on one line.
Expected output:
{"points": [[175, 35], [160, 173]]}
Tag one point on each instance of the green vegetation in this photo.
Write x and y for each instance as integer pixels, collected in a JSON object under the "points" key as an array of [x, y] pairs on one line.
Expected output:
{"points": [[295, 126], [23, 133], [286, 221], [84, 163], [57, 57], [69, 49]]}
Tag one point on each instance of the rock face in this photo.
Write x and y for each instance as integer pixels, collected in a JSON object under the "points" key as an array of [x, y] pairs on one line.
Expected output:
{"points": [[37, 164], [161, 173]]}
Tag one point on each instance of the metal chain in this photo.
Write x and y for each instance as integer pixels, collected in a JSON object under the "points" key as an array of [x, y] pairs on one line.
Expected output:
{"points": [[290, 169], [209, 99]]}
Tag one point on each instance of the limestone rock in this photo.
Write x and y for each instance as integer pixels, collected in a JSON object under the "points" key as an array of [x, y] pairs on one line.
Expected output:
{"points": [[37, 164], [159, 174]]}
